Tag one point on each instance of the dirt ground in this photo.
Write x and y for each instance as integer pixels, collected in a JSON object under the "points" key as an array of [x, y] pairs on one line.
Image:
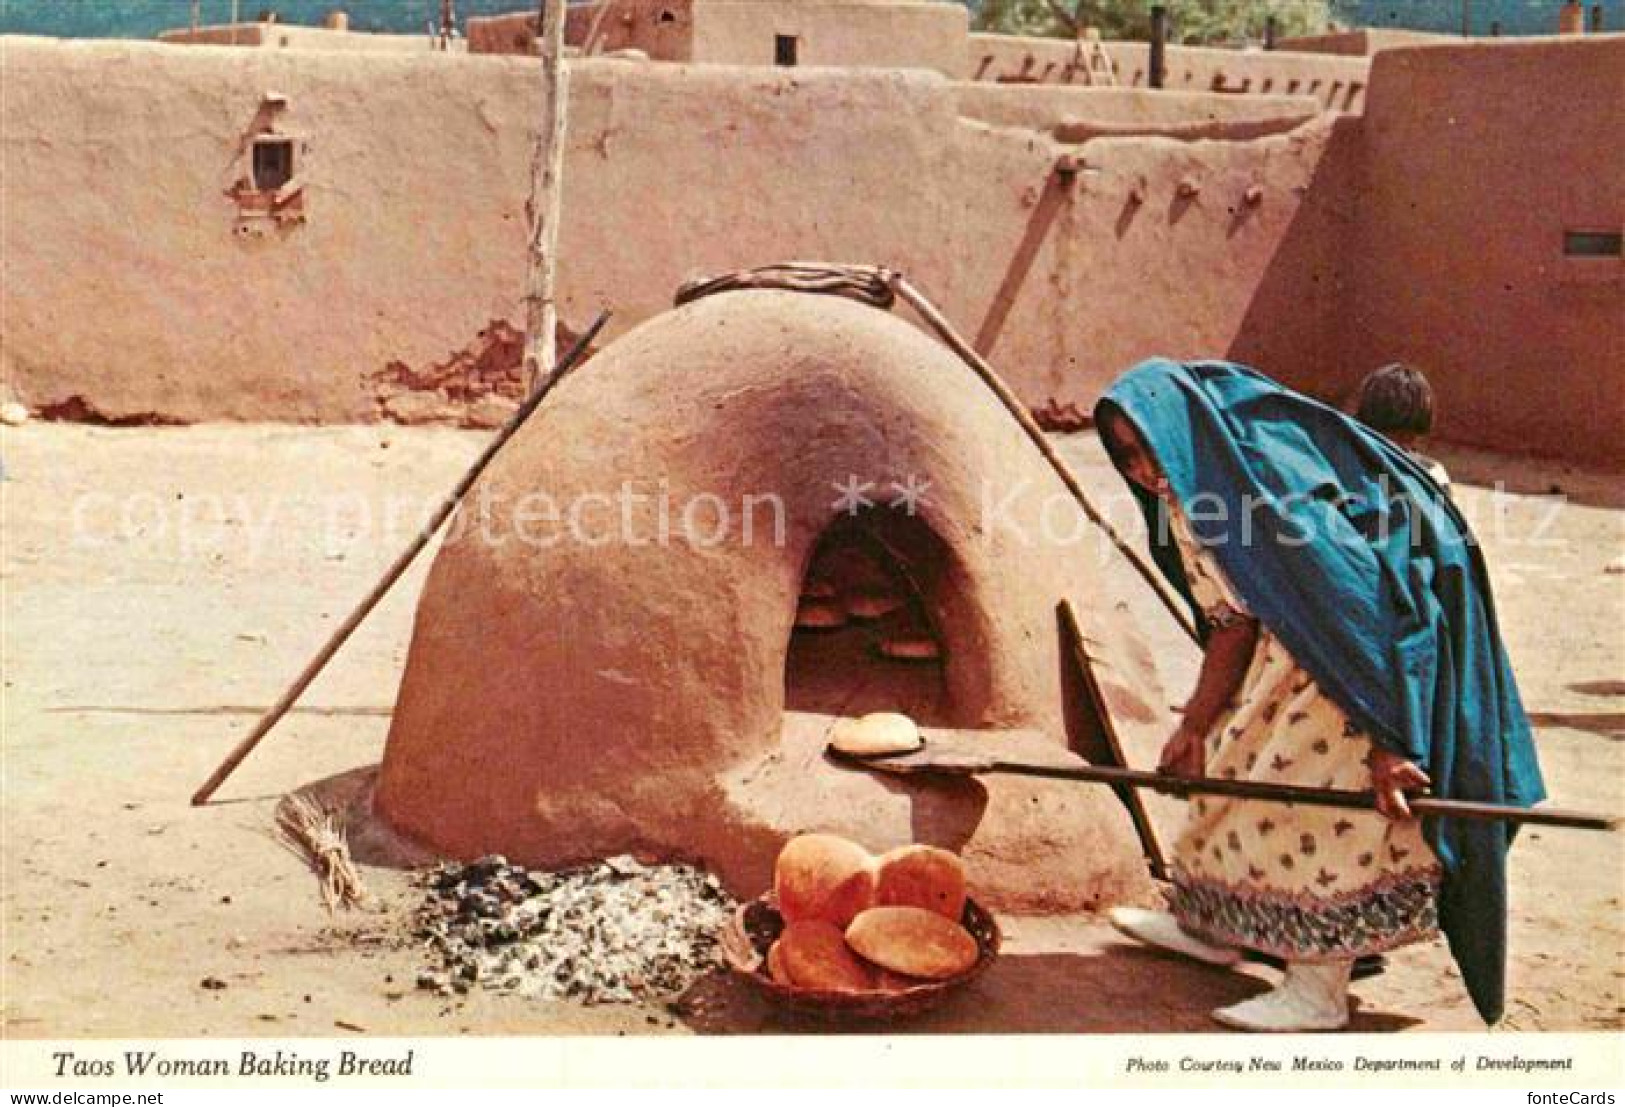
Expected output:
{"points": [[161, 586]]}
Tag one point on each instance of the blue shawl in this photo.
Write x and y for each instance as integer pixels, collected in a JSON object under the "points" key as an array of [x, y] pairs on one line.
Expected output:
{"points": [[1350, 554]]}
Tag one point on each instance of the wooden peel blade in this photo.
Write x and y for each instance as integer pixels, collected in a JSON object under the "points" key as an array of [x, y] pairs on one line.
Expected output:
{"points": [[916, 762], [956, 762]]}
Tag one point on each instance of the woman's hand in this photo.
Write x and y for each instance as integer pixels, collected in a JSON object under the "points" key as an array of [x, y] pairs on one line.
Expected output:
{"points": [[1225, 660], [1391, 777], [1184, 755]]}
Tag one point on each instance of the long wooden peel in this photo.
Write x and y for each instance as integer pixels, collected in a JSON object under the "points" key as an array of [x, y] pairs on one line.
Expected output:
{"points": [[394, 572], [956, 342], [960, 762]]}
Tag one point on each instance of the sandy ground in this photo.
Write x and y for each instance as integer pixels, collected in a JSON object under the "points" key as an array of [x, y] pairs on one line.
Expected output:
{"points": [[161, 586]]}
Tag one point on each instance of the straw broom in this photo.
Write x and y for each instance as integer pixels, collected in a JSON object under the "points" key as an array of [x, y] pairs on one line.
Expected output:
{"points": [[315, 834]]}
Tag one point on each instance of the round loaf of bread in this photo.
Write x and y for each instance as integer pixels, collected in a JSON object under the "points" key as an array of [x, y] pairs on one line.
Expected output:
{"points": [[823, 877], [877, 733], [912, 941], [921, 876], [815, 955], [911, 648], [819, 615]]}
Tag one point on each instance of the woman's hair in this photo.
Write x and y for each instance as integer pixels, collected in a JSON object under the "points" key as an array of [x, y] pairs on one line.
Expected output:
{"points": [[1110, 413], [1396, 399]]}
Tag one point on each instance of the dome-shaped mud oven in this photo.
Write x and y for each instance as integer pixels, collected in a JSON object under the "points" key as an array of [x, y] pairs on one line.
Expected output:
{"points": [[608, 654]]}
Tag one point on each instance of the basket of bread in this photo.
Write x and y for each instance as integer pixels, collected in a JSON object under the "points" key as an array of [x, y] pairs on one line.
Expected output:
{"points": [[845, 934]]}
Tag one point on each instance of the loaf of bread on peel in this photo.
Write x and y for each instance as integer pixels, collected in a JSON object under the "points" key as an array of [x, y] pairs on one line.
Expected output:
{"points": [[877, 733]]}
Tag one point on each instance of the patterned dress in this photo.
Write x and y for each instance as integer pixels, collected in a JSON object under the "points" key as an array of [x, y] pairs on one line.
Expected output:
{"points": [[1302, 883]]}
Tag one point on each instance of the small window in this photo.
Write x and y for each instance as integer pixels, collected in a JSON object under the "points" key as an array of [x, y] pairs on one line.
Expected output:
{"points": [[667, 17], [785, 49], [273, 163], [1593, 244]]}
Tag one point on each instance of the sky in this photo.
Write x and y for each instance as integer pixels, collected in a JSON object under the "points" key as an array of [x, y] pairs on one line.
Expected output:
{"points": [[145, 18]]}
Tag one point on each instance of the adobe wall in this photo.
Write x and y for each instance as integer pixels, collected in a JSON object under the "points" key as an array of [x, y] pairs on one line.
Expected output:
{"points": [[1361, 42], [663, 29], [229, 34], [1166, 247], [1430, 230], [1076, 113], [511, 34], [139, 295], [140, 298], [291, 36], [1458, 253], [1338, 83]]}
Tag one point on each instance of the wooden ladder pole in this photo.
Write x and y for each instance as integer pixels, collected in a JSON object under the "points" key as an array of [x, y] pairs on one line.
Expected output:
{"points": [[543, 207], [945, 330], [449, 503]]}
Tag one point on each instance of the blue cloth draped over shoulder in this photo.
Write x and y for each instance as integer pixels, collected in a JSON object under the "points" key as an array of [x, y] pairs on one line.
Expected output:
{"points": [[1348, 552]]}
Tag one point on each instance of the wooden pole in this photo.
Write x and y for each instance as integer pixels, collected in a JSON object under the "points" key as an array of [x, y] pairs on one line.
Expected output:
{"points": [[394, 572], [546, 178], [955, 763], [1157, 70], [1012, 403]]}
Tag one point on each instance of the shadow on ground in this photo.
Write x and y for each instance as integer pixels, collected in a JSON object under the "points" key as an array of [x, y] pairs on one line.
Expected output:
{"points": [[1604, 724], [372, 841], [1118, 990]]}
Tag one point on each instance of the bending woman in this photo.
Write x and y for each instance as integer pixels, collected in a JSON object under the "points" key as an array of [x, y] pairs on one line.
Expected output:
{"points": [[1349, 642]]}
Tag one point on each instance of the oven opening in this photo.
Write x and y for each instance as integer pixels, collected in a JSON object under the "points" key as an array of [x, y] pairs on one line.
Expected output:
{"points": [[866, 636]]}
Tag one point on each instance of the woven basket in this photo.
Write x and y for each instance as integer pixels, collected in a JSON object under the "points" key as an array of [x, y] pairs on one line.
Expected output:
{"points": [[756, 925]]}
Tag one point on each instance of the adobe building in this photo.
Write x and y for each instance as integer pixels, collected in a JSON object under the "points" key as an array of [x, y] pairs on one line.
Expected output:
{"points": [[879, 33], [292, 233], [290, 36]]}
